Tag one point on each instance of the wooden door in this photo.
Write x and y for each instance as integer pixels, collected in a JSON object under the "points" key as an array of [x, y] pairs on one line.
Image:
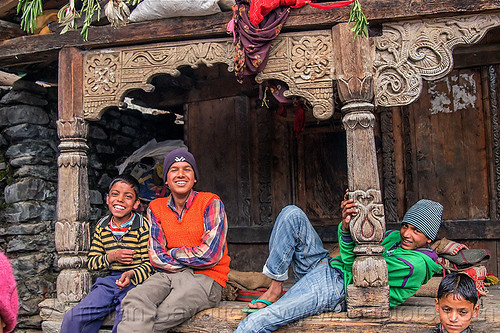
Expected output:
{"points": [[447, 140], [217, 133]]}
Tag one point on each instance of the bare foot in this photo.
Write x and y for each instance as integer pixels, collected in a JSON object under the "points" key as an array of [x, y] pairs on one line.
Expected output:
{"points": [[272, 294]]}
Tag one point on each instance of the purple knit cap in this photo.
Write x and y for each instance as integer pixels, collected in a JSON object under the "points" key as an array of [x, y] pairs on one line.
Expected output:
{"points": [[179, 155]]}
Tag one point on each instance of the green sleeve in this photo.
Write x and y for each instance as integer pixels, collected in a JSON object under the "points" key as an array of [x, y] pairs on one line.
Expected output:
{"points": [[346, 246], [404, 280]]}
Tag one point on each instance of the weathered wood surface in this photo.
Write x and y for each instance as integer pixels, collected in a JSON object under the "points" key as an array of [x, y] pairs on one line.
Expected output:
{"points": [[10, 30], [7, 79], [415, 315], [28, 48]]}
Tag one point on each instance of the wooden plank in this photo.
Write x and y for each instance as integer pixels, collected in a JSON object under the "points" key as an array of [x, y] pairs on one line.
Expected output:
{"points": [[182, 28], [219, 141], [7, 7], [476, 55], [322, 173], [449, 149], [70, 101], [7, 79], [417, 314], [10, 30]]}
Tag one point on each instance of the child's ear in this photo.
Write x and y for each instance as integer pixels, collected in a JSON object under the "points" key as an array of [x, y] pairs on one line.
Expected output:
{"points": [[475, 312], [136, 204], [436, 304]]}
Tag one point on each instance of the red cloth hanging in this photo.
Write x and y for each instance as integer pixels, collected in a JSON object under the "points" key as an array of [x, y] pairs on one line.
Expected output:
{"points": [[260, 8], [300, 119]]}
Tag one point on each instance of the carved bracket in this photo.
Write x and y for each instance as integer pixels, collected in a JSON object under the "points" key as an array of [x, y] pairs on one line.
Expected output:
{"points": [[410, 51], [109, 74], [304, 63]]}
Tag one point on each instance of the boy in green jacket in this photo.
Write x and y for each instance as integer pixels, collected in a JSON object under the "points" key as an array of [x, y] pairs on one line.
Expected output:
{"points": [[321, 280]]}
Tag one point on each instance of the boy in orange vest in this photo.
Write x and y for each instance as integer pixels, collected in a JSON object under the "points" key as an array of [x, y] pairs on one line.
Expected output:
{"points": [[187, 247]]}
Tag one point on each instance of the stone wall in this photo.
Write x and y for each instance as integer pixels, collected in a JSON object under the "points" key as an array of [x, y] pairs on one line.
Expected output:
{"points": [[28, 180], [28, 173]]}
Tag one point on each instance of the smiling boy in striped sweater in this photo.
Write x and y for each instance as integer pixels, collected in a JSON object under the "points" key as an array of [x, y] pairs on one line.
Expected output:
{"points": [[120, 246]]}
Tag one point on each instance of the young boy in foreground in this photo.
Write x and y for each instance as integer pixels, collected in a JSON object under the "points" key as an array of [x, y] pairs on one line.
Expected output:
{"points": [[120, 245], [456, 304]]}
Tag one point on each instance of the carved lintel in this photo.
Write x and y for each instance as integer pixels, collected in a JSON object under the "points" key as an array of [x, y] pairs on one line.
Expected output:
{"points": [[368, 225], [73, 285], [72, 238], [410, 51]]}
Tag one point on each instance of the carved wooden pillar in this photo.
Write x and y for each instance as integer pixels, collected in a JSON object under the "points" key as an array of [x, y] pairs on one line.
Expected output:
{"points": [[73, 208], [368, 296]]}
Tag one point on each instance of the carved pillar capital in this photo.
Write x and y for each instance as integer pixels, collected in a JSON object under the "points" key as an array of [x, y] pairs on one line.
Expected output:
{"points": [[76, 128]]}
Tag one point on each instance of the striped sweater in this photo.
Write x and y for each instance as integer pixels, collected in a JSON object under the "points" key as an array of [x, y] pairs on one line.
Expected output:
{"points": [[136, 238]]}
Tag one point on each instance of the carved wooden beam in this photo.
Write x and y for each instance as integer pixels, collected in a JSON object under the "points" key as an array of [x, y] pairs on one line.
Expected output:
{"points": [[353, 70], [303, 61]]}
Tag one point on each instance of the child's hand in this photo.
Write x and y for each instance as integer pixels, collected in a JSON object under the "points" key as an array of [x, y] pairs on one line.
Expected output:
{"points": [[123, 256], [124, 280], [348, 208]]}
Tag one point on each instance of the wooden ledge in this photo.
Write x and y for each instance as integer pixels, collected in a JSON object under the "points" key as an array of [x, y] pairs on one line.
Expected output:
{"points": [[415, 315]]}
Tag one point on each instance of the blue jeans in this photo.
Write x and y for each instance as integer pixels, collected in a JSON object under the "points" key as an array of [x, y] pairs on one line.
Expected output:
{"points": [[104, 298], [319, 287]]}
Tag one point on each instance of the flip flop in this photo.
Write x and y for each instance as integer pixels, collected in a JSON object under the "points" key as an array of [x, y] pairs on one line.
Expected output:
{"points": [[250, 310]]}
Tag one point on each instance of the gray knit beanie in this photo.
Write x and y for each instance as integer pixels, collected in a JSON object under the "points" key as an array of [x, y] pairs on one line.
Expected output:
{"points": [[426, 216], [179, 155]]}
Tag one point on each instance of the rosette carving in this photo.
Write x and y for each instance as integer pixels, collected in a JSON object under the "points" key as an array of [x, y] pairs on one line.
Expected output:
{"points": [[304, 63]]}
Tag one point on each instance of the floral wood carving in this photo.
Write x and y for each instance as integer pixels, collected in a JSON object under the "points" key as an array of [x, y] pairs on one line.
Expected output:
{"points": [[368, 225], [304, 63], [410, 51], [109, 74]]}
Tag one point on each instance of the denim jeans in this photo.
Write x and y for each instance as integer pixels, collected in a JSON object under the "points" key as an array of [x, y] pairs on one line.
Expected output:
{"points": [[319, 287], [104, 298]]}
